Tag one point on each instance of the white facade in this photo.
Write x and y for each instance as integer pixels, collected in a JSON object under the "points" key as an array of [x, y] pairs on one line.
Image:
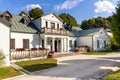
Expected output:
{"points": [[5, 42], [100, 41], [33, 39], [86, 41], [96, 42], [51, 18]]}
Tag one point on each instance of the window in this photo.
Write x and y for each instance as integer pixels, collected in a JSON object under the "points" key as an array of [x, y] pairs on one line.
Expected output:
{"points": [[75, 43], [43, 43], [52, 25], [27, 22], [70, 43], [46, 24], [7, 18], [57, 26], [105, 43], [12, 43], [98, 43], [26, 43]]}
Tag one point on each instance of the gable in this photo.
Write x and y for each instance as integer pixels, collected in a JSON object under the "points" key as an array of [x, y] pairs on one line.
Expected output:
{"points": [[6, 13], [102, 33], [52, 17]]}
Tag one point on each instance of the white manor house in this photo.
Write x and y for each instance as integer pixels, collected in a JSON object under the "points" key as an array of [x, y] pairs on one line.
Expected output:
{"points": [[48, 32]]}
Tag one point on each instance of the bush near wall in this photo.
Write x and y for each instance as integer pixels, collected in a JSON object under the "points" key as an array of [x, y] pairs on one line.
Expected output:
{"points": [[1, 58]]}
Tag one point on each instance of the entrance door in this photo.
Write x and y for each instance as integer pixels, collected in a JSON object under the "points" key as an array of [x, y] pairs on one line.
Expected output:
{"points": [[55, 45]]}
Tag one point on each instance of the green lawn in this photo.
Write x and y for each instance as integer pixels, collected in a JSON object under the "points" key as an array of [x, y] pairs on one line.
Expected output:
{"points": [[7, 72], [35, 65], [114, 76], [99, 53]]}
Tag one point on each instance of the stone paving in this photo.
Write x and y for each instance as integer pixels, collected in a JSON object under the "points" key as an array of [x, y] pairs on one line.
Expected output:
{"points": [[76, 67]]}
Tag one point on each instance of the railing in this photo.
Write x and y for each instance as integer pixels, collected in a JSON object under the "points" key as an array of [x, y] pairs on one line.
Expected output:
{"points": [[54, 31], [28, 54]]}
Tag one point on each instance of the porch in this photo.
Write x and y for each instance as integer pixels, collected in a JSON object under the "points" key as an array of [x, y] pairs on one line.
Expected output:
{"points": [[55, 43], [60, 31]]}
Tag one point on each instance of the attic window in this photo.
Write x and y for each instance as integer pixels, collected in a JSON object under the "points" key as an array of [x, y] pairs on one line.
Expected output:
{"points": [[26, 19], [7, 18]]}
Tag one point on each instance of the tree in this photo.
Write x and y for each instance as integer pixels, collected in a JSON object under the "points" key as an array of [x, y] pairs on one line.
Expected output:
{"points": [[96, 23], [84, 24], [36, 13], [23, 12], [115, 26], [68, 19]]}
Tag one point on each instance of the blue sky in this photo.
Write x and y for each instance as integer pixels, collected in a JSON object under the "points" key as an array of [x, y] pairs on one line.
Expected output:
{"points": [[79, 9]]}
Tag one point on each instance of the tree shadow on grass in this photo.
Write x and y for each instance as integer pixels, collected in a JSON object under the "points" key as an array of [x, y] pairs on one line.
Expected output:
{"points": [[37, 67]]}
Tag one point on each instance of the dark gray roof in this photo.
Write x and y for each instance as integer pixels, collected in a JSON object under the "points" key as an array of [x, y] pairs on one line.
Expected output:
{"points": [[74, 32], [89, 32]]}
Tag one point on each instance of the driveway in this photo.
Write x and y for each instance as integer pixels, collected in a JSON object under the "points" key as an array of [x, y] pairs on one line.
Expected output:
{"points": [[77, 67]]}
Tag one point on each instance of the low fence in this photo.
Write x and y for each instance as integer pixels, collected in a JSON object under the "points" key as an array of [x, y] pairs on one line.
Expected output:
{"points": [[28, 54]]}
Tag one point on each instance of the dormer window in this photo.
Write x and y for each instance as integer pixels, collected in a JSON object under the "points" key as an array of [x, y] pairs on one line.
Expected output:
{"points": [[27, 22], [7, 18], [26, 19], [6, 15]]}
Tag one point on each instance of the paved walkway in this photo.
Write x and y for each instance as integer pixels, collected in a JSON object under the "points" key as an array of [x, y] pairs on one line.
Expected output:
{"points": [[77, 67]]}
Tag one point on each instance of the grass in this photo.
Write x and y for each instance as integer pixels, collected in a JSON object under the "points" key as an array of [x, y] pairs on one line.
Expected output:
{"points": [[7, 72], [114, 76], [35, 65], [100, 52]]}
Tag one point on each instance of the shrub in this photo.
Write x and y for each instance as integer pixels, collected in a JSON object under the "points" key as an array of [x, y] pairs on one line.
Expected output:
{"points": [[1, 58], [20, 49], [34, 49], [51, 52], [41, 48]]}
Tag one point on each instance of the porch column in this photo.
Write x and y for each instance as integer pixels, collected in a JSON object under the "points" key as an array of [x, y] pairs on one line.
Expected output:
{"points": [[61, 44], [64, 45], [53, 44], [45, 42], [68, 45]]}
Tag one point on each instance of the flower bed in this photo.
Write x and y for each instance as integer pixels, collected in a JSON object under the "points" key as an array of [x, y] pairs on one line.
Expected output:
{"points": [[81, 49], [20, 49]]}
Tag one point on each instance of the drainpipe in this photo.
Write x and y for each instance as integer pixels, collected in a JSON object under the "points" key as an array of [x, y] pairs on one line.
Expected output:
{"points": [[92, 43], [9, 44]]}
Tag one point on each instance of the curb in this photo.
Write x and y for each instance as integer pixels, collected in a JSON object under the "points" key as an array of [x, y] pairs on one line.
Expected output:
{"points": [[21, 69]]}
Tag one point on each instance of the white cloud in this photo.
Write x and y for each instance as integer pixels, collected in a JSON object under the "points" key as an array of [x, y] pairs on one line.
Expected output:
{"points": [[32, 6], [68, 4], [104, 6]]}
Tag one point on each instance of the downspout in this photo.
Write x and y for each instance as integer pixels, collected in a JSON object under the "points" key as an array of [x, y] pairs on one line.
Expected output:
{"points": [[10, 43], [92, 43]]}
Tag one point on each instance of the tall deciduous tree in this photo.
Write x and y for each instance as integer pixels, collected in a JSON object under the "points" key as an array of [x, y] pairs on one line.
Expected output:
{"points": [[36, 13], [115, 26], [67, 18], [96, 22]]}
